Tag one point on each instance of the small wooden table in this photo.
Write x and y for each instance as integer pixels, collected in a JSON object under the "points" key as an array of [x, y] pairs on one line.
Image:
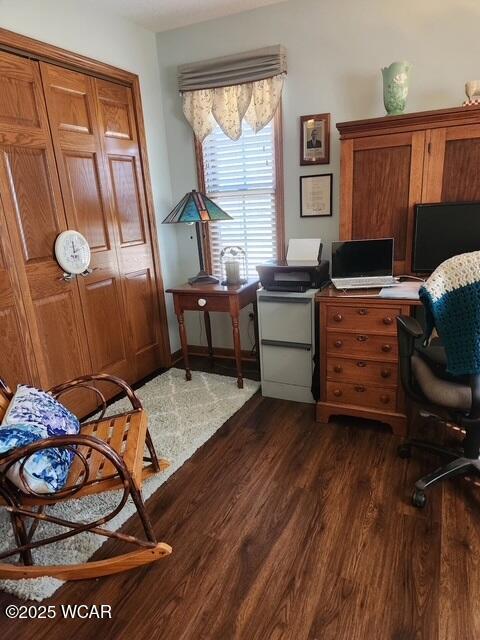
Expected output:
{"points": [[214, 297]]}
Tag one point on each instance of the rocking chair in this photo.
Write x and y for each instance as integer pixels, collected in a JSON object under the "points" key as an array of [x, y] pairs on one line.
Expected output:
{"points": [[108, 453]]}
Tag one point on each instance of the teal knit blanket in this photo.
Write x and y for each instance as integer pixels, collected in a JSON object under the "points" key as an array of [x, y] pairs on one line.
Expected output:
{"points": [[451, 297]]}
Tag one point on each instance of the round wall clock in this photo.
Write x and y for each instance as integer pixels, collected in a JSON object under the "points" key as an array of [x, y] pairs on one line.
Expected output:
{"points": [[72, 252]]}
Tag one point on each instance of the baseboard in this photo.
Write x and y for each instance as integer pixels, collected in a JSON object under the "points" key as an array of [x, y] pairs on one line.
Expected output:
{"points": [[218, 352]]}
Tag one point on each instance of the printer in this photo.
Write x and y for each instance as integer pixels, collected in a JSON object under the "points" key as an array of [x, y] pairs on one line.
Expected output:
{"points": [[302, 269]]}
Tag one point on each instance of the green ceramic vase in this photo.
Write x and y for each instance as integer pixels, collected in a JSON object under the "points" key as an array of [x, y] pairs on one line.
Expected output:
{"points": [[395, 87]]}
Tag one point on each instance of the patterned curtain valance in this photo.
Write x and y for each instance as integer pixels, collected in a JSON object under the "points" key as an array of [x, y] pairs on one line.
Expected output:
{"points": [[227, 90]]}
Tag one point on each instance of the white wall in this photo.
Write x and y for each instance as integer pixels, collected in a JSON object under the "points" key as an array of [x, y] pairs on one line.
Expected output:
{"points": [[79, 26], [335, 51]]}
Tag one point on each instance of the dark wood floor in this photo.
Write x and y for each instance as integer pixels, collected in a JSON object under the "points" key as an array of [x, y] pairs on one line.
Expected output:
{"points": [[283, 528]]}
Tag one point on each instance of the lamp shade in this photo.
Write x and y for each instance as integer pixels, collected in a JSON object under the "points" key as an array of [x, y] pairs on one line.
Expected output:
{"points": [[196, 207]]}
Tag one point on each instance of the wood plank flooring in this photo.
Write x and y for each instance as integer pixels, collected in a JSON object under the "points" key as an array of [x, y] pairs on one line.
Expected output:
{"points": [[285, 529]]}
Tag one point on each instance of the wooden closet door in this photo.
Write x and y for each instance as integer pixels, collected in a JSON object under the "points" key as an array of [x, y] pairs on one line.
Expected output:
{"points": [[72, 114], [453, 161], [120, 144], [34, 215], [381, 183]]}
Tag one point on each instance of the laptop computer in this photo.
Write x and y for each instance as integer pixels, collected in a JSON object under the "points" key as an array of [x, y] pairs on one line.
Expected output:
{"points": [[360, 264]]}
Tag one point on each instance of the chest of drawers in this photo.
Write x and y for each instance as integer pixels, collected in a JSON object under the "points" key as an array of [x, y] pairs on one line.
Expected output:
{"points": [[359, 358]]}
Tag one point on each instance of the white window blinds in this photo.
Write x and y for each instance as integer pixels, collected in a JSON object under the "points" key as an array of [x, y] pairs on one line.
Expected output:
{"points": [[240, 178]]}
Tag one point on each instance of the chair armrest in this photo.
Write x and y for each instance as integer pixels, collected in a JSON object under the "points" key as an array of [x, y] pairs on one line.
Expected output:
{"points": [[104, 377], [410, 325]]}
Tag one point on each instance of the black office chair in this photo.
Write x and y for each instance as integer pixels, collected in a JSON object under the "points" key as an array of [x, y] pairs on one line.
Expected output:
{"points": [[426, 381]]}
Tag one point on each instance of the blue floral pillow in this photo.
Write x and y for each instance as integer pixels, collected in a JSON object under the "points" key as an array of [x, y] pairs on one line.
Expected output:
{"points": [[33, 415], [46, 471]]}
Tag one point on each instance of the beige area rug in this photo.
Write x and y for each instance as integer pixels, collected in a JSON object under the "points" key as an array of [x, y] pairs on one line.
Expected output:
{"points": [[182, 417]]}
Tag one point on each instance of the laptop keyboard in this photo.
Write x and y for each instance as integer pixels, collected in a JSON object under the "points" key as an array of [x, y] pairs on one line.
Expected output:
{"points": [[362, 283]]}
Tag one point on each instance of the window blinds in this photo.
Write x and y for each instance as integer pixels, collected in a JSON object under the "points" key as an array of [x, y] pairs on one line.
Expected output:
{"points": [[240, 177]]}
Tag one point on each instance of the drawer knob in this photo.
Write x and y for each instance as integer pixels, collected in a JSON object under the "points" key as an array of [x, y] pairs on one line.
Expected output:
{"points": [[338, 343], [337, 368], [386, 348], [362, 338], [387, 320], [201, 302], [360, 388], [386, 373], [338, 317], [337, 393], [363, 312], [361, 364], [384, 398]]}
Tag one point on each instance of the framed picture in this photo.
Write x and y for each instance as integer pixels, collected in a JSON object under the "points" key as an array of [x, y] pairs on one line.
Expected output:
{"points": [[315, 139], [316, 195]]}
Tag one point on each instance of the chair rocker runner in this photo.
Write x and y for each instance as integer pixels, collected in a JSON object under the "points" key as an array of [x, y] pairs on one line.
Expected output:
{"points": [[108, 454]]}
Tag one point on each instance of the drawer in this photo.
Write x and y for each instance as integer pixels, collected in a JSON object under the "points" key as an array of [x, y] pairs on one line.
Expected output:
{"points": [[203, 302], [362, 344], [290, 365], [363, 318], [362, 371], [362, 395], [285, 319]]}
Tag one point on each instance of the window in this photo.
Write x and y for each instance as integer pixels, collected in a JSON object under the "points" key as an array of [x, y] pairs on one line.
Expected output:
{"points": [[241, 177]]}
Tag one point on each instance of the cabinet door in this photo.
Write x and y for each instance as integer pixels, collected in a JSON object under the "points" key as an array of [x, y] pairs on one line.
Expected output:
{"points": [[381, 182], [71, 108], [119, 141], [453, 162], [34, 215]]}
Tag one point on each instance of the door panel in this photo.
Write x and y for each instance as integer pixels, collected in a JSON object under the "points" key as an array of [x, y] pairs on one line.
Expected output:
{"points": [[85, 197], [385, 174], [34, 215], [34, 205], [120, 145], [453, 161], [75, 131], [105, 307], [15, 345]]}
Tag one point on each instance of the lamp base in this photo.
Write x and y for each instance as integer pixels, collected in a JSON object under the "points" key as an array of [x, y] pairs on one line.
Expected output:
{"points": [[203, 277]]}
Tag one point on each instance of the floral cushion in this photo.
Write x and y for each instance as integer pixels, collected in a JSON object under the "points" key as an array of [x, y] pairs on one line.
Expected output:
{"points": [[33, 415], [46, 471]]}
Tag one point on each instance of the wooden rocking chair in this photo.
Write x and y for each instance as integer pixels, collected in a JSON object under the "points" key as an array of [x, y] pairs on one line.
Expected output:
{"points": [[108, 454]]}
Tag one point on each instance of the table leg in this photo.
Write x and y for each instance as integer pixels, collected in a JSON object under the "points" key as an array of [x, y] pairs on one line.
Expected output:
{"points": [[183, 340], [238, 350], [208, 331], [255, 329]]}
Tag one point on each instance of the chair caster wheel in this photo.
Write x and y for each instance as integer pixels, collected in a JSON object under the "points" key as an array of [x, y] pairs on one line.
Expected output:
{"points": [[404, 451], [419, 499]]}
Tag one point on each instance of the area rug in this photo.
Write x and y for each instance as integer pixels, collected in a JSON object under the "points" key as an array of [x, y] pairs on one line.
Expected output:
{"points": [[182, 417]]}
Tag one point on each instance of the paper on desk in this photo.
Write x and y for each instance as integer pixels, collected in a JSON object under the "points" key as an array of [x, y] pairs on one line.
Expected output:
{"points": [[303, 249], [407, 290]]}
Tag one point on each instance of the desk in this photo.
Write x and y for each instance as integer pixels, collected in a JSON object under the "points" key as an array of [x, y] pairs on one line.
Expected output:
{"points": [[214, 297], [358, 357]]}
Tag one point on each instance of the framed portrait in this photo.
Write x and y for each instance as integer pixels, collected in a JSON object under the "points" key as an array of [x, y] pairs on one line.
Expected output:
{"points": [[315, 139], [316, 195]]}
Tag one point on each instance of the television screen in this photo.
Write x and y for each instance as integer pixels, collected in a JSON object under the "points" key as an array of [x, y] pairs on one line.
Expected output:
{"points": [[442, 231]]}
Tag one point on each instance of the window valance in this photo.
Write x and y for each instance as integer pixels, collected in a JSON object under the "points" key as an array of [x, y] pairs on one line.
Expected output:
{"points": [[228, 89]]}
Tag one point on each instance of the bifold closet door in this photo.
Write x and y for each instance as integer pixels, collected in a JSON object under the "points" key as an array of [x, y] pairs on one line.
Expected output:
{"points": [[71, 107], [34, 215], [119, 136]]}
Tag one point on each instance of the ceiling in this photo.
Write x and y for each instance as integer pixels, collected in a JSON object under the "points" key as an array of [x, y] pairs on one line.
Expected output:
{"points": [[162, 15]]}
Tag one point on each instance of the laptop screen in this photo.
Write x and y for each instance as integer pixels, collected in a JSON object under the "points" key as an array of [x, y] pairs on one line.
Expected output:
{"points": [[362, 258]]}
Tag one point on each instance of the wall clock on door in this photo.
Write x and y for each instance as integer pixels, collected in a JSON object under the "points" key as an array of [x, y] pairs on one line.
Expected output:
{"points": [[72, 253]]}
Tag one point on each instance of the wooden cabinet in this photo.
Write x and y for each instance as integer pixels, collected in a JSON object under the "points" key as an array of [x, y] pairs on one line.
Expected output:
{"points": [[70, 159], [359, 358], [390, 164]]}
